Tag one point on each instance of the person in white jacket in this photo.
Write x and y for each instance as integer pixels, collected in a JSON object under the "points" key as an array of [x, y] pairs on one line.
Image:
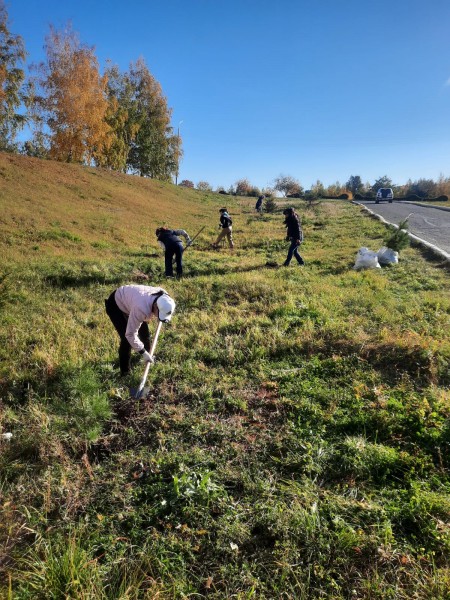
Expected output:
{"points": [[130, 307]]}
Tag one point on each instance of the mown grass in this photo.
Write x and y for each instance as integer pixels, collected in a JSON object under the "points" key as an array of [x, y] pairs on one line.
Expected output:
{"points": [[295, 443]]}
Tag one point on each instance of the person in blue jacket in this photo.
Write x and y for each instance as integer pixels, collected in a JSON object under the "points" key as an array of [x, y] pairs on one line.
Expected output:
{"points": [[294, 234], [170, 242]]}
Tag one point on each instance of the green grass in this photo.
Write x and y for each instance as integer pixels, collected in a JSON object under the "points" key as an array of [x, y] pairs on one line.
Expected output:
{"points": [[295, 443]]}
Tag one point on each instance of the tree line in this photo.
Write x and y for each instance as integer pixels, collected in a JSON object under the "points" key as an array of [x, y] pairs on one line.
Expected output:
{"points": [[121, 120], [289, 187], [117, 120]]}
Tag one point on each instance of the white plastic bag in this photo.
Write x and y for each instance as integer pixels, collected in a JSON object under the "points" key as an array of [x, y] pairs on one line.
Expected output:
{"points": [[387, 256], [366, 259]]}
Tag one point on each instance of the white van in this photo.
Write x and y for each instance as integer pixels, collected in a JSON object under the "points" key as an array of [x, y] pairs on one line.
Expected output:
{"points": [[384, 194]]}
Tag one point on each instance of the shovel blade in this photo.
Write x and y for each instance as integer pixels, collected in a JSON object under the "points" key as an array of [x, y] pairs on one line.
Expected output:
{"points": [[136, 393]]}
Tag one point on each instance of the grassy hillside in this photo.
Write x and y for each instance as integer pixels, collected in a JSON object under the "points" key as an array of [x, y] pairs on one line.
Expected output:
{"points": [[295, 443], [48, 208]]}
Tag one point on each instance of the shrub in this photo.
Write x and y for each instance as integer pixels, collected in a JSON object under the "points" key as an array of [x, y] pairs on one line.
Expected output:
{"points": [[358, 196], [413, 197], [311, 198], [270, 205], [204, 186], [343, 197], [243, 187], [397, 239], [186, 183], [441, 199]]}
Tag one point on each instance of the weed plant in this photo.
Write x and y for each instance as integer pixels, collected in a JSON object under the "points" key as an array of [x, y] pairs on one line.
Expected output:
{"points": [[295, 441]]}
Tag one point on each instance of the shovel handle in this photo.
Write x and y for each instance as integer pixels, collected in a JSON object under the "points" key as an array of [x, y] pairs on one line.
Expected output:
{"points": [[147, 367], [155, 339]]}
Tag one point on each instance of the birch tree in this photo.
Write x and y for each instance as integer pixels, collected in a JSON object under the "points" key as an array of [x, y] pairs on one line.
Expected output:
{"points": [[122, 117], [156, 150], [12, 76]]}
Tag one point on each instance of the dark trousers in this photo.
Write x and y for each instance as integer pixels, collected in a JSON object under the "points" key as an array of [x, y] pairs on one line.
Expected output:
{"points": [[171, 250], [120, 321], [293, 251]]}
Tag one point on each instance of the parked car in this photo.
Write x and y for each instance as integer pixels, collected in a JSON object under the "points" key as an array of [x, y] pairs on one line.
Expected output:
{"points": [[384, 194]]}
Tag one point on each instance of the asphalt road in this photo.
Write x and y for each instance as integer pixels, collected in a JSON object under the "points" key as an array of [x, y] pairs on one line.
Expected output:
{"points": [[429, 223]]}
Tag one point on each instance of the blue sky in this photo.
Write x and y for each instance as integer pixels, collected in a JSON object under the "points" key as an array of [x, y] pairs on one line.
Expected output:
{"points": [[317, 89]]}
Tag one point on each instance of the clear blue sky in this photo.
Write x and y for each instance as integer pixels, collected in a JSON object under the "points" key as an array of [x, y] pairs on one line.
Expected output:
{"points": [[317, 89]]}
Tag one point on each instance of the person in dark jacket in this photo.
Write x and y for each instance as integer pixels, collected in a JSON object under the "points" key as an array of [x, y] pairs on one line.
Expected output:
{"points": [[226, 229], [294, 234], [259, 203], [170, 242]]}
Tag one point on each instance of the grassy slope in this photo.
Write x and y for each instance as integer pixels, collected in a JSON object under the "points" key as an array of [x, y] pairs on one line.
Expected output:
{"points": [[296, 442], [46, 204]]}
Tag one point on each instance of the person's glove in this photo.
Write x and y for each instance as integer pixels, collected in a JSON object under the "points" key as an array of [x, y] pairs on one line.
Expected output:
{"points": [[147, 357]]}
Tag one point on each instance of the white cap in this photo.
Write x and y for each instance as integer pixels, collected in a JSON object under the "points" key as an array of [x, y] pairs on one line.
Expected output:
{"points": [[166, 307]]}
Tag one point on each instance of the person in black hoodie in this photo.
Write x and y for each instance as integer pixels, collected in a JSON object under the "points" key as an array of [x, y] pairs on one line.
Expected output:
{"points": [[294, 234], [226, 229], [170, 242]]}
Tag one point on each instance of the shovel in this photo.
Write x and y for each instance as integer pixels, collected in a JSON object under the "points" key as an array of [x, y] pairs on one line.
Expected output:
{"points": [[196, 236], [141, 390], [191, 242]]}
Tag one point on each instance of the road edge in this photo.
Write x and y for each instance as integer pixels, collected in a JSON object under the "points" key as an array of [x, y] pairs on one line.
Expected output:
{"points": [[435, 249], [446, 208]]}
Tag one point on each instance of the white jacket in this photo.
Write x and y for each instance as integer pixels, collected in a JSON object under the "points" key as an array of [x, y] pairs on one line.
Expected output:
{"points": [[136, 302]]}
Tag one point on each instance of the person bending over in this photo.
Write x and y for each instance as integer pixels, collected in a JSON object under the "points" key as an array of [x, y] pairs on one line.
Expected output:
{"points": [[130, 308], [170, 242]]}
